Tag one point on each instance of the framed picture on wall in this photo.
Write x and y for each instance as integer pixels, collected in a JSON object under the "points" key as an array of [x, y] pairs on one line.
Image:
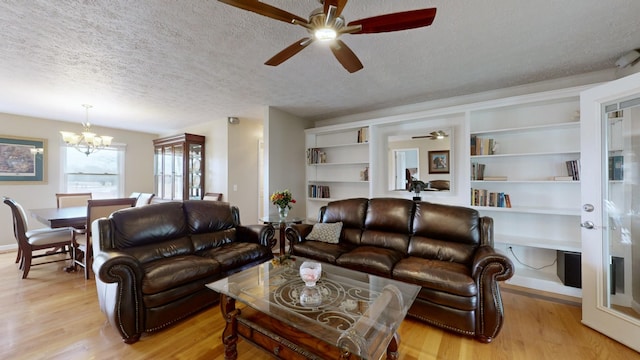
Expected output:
{"points": [[22, 160], [439, 162]]}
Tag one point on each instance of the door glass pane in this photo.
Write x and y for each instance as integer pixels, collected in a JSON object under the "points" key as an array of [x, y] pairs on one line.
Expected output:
{"points": [[178, 187], [168, 172], [621, 204], [195, 171], [158, 172]]}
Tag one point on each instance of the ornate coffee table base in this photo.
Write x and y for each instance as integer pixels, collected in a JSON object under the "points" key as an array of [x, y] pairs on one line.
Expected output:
{"points": [[276, 337]]}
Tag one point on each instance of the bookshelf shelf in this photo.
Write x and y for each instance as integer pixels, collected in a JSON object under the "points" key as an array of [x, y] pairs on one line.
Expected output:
{"points": [[531, 210], [532, 154], [543, 243], [528, 129], [341, 163]]}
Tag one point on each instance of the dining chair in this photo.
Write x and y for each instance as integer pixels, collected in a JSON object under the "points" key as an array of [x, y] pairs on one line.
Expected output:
{"points": [[30, 241], [211, 196], [144, 199], [72, 199], [96, 209]]}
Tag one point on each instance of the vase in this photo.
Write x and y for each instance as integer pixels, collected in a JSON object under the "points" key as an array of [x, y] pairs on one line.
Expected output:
{"points": [[283, 212], [310, 272]]}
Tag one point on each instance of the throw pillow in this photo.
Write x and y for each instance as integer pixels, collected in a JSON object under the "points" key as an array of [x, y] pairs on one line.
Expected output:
{"points": [[326, 232]]}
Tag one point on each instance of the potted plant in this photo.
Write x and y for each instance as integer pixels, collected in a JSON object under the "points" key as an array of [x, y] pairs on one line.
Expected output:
{"points": [[416, 186], [282, 200]]}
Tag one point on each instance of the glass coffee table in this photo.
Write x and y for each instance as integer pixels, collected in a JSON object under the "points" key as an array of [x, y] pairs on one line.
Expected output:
{"points": [[346, 315]]}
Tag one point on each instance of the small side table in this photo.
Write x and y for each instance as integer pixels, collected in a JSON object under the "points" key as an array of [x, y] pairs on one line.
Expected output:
{"points": [[281, 224]]}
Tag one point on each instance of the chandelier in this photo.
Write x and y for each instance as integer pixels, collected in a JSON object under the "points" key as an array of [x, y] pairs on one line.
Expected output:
{"points": [[86, 142]]}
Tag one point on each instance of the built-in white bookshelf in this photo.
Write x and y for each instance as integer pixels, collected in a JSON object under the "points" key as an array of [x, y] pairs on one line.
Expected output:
{"points": [[529, 146], [337, 166]]}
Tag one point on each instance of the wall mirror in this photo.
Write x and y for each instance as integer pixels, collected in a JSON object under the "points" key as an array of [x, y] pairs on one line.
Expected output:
{"points": [[421, 155]]}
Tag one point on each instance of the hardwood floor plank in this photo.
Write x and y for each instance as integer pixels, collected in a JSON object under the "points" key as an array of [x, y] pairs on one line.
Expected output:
{"points": [[55, 315]]}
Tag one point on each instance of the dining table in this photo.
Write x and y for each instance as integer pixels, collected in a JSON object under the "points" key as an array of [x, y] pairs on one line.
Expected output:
{"points": [[74, 216]]}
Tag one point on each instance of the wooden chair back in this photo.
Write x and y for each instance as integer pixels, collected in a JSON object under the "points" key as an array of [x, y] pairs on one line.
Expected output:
{"points": [[72, 199], [211, 196], [144, 199], [97, 209]]}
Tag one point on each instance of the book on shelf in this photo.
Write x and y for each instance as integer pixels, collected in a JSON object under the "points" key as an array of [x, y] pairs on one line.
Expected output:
{"points": [[495, 178], [483, 197], [363, 134], [482, 146], [477, 171], [316, 156], [319, 191], [573, 169]]}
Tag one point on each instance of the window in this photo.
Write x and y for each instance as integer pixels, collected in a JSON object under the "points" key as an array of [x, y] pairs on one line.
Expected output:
{"points": [[101, 173]]}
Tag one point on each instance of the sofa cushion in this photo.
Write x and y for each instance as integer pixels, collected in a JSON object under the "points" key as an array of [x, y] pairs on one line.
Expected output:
{"points": [[164, 274], [384, 239], [326, 232], [447, 222], [371, 259], [444, 276], [148, 225], [351, 212], [215, 239], [237, 254], [390, 214], [208, 216], [165, 249], [321, 251]]}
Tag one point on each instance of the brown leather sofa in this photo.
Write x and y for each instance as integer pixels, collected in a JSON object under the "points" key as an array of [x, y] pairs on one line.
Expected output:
{"points": [[152, 263], [448, 250]]}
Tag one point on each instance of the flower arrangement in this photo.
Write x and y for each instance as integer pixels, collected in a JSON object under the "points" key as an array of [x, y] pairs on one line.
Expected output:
{"points": [[282, 199]]}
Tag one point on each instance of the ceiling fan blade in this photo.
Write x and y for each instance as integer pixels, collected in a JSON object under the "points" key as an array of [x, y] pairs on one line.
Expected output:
{"points": [[339, 4], [285, 54], [265, 10], [345, 56], [395, 22]]}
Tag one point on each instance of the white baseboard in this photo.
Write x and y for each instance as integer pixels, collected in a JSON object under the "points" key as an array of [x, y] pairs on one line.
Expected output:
{"points": [[7, 248]]}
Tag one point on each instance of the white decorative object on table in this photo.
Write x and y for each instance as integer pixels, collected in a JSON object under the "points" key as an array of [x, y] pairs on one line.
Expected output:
{"points": [[310, 272], [310, 296]]}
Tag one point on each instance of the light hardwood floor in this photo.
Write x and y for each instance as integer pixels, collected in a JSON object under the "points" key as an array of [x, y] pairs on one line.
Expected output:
{"points": [[55, 315]]}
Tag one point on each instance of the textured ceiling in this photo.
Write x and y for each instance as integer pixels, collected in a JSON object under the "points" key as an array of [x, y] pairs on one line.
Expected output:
{"points": [[161, 65]]}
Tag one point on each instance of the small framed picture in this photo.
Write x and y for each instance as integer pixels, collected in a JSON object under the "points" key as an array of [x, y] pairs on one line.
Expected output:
{"points": [[439, 162]]}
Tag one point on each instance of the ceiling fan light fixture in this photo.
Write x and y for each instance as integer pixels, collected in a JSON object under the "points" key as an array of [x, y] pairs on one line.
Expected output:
{"points": [[325, 34]]}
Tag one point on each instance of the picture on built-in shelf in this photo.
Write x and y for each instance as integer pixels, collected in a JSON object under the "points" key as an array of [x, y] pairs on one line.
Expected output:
{"points": [[439, 162]]}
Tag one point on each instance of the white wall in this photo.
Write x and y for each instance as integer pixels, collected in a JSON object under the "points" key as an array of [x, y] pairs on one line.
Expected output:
{"points": [[216, 145], [231, 162], [138, 165], [284, 159], [243, 177]]}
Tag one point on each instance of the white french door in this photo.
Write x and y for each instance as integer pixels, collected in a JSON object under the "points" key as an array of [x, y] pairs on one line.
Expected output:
{"points": [[610, 183]]}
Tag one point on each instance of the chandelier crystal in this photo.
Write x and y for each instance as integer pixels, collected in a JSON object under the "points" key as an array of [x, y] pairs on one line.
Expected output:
{"points": [[86, 142]]}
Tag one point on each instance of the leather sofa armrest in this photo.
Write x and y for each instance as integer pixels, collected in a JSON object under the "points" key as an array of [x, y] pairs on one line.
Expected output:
{"points": [[118, 278], [488, 268], [296, 233], [262, 234], [487, 261], [486, 235]]}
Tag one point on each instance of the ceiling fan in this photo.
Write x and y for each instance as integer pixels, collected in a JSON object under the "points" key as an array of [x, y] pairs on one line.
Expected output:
{"points": [[325, 24], [434, 135]]}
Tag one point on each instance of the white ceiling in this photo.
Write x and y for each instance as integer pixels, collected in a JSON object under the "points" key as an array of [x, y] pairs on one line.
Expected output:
{"points": [[162, 65]]}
